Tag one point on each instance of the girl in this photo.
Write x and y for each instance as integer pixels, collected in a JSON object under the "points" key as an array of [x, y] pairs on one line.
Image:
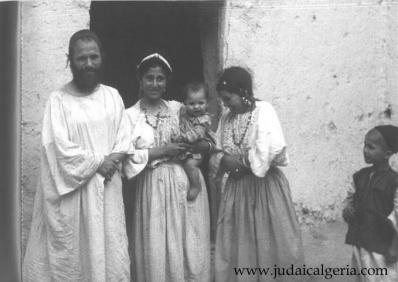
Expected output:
{"points": [[257, 225], [371, 207]]}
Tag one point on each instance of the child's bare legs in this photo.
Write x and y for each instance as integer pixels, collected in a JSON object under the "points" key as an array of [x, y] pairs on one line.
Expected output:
{"points": [[191, 167]]}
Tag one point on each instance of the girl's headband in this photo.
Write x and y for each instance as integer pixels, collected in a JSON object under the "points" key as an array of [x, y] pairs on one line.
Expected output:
{"points": [[155, 56]]}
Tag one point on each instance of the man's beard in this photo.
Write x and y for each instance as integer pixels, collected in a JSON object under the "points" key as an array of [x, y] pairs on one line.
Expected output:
{"points": [[86, 79]]}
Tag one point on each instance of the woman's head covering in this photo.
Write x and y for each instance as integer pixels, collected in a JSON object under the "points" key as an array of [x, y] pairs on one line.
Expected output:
{"points": [[390, 135], [152, 60], [236, 80]]}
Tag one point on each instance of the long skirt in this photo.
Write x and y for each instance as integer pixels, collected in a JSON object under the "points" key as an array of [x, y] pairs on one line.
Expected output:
{"points": [[257, 228], [373, 266], [170, 237]]}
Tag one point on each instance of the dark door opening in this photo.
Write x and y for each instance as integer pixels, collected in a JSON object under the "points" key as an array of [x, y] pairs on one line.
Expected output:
{"points": [[186, 33]]}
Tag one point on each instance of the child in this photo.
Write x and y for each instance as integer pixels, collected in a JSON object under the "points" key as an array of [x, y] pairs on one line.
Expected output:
{"points": [[371, 208], [195, 125]]}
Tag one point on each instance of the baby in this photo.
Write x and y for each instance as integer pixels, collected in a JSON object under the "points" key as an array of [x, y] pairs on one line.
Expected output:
{"points": [[195, 125]]}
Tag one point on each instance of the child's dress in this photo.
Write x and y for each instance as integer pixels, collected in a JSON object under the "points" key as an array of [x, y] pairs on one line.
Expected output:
{"points": [[374, 226], [193, 129]]}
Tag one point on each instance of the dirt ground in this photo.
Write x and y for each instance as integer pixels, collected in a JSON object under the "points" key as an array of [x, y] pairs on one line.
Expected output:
{"points": [[324, 244]]}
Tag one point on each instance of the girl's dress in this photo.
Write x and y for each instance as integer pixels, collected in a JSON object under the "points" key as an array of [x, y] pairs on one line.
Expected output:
{"points": [[257, 225], [169, 237], [374, 229]]}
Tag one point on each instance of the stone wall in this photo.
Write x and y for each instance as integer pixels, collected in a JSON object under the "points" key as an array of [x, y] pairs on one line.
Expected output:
{"points": [[330, 70], [45, 31]]}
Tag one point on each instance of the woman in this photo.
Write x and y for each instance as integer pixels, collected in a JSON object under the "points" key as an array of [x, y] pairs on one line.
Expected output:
{"points": [[169, 236], [257, 225]]}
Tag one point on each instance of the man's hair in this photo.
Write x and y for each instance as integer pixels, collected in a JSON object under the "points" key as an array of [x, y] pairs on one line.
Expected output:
{"points": [[86, 35]]}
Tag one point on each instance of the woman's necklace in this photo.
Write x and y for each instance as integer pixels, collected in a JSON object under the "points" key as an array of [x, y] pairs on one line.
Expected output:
{"points": [[156, 124], [242, 137]]}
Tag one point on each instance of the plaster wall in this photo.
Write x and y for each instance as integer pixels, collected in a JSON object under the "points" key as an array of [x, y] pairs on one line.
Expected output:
{"points": [[330, 70], [45, 31]]}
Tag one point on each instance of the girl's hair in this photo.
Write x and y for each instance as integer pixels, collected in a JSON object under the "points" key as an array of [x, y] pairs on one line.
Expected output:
{"points": [[236, 80], [151, 61], [193, 87]]}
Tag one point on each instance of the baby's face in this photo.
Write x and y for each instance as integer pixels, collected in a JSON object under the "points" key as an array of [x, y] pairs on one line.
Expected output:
{"points": [[196, 103]]}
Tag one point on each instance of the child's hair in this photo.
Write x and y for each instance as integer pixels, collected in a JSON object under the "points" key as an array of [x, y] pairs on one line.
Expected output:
{"points": [[193, 87], [390, 136]]}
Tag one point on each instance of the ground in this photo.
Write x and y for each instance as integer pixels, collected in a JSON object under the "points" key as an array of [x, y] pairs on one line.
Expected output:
{"points": [[324, 244]]}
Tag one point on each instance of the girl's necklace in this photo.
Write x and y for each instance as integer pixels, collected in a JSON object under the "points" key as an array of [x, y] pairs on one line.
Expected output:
{"points": [[242, 137]]}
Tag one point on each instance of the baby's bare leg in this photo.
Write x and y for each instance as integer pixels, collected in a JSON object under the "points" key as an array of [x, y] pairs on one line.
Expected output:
{"points": [[191, 167]]}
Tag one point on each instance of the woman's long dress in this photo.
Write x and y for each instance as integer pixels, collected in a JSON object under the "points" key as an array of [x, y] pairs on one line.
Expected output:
{"points": [[257, 225], [169, 236], [78, 231]]}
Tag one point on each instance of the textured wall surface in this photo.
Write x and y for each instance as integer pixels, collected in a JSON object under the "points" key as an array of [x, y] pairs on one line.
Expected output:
{"points": [[45, 31], [330, 70]]}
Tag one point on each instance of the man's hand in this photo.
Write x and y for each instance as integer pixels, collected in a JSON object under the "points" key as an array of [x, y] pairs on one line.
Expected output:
{"points": [[108, 168], [117, 157]]}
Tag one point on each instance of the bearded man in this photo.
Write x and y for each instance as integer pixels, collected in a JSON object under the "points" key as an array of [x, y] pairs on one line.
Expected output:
{"points": [[78, 230]]}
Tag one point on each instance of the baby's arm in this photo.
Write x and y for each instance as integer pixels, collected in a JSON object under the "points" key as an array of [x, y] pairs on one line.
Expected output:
{"points": [[348, 204]]}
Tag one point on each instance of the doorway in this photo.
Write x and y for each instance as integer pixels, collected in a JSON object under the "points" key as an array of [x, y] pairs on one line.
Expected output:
{"points": [[186, 33]]}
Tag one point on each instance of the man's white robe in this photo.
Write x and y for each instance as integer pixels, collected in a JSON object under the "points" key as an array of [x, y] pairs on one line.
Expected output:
{"points": [[78, 230]]}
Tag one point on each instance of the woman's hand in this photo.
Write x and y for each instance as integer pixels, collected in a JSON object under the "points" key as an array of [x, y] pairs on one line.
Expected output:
{"points": [[173, 149], [201, 147], [234, 166]]}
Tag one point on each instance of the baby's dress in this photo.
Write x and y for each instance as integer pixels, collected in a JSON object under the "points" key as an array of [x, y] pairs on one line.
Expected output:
{"points": [[193, 129]]}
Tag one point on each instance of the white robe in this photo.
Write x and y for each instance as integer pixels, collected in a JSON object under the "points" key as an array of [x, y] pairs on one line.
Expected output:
{"points": [[78, 229]]}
